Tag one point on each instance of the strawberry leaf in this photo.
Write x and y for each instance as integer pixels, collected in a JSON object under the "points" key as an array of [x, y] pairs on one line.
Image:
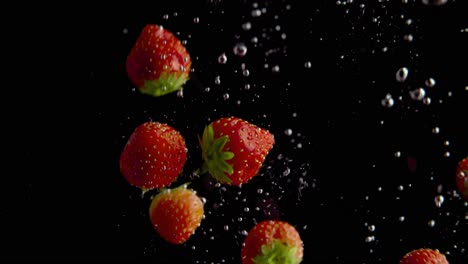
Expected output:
{"points": [[166, 83], [214, 156], [277, 252]]}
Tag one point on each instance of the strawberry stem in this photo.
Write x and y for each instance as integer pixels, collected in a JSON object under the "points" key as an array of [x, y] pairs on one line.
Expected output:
{"points": [[166, 83], [214, 157]]}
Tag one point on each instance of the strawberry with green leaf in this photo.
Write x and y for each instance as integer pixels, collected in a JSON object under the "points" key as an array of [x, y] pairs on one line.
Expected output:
{"points": [[272, 242], [176, 213], [233, 149], [158, 63], [153, 156]]}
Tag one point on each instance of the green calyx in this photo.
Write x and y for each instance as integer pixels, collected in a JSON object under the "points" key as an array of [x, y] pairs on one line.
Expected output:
{"points": [[214, 157], [166, 83], [276, 253]]}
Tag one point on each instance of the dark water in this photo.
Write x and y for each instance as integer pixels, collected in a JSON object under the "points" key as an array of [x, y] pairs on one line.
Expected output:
{"points": [[357, 173]]}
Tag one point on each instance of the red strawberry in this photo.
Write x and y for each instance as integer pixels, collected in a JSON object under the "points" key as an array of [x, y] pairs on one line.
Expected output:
{"points": [[154, 156], [271, 242], [234, 150], [158, 63], [462, 177], [424, 256], [176, 214]]}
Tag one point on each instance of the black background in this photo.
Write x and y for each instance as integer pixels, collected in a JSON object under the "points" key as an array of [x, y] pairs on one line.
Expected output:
{"points": [[64, 197]]}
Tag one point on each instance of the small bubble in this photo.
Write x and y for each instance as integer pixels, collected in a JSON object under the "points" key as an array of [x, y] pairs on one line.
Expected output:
{"points": [[439, 200], [239, 219], [244, 232], [180, 93], [427, 100], [226, 96], [218, 80], [246, 26], [286, 172], [401, 218], [400, 188], [260, 191], [436, 130], [371, 228], [409, 21], [401, 74], [370, 239], [447, 154], [398, 154], [246, 72], [447, 143], [431, 223], [417, 94], [240, 49], [408, 37], [165, 16], [288, 132], [387, 101], [207, 89], [125, 30], [247, 86], [430, 82], [246, 209], [222, 59], [254, 40], [256, 13], [308, 64], [299, 145], [226, 227], [275, 68]]}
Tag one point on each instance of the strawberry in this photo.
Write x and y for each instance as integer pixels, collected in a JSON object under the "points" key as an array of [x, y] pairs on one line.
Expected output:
{"points": [[271, 242], [154, 156], [176, 213], [462, 177], [234, 150], [158, 63], [424, 256]]}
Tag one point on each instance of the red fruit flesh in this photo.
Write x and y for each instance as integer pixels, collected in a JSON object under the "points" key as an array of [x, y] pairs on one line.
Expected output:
{"points": [[424, 256], [158, 63], [462, 177], [234, 149], [154, 156], [272, 242], [176, 214]]}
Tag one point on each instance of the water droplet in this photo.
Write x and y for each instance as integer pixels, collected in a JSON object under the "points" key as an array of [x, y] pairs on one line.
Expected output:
{"points": [[430, 82], [370, 239], [125, 30], [439, 200], [165, 16], [427, 100], [260, 191], [401, 74], [256, 13], [436, 130], [447, 143], [387, 101], [222, 59], [240, 49], [398, 154], [286, 172], [244, 232], [196, 20], [245, 72], [180, 93], [275, 68], [218, 80], [226, 227], [308, 64], [371, 228], [400, 188], [207, 89], [417, 94], [408, 37], [447, 154], [247, 86], [246, 209], [288, 132], [431, 223], [226, 96], [401, 218], [247, 26], [434, 2], [239, 219], [409, 21]]}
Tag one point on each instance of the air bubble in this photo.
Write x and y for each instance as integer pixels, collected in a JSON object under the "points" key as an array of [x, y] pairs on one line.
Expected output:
{"points": [[430, 82], [288, 132], [222, 59], [417, 94], [240, 49], [439, 200], [308, 64], [401, 74]]}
